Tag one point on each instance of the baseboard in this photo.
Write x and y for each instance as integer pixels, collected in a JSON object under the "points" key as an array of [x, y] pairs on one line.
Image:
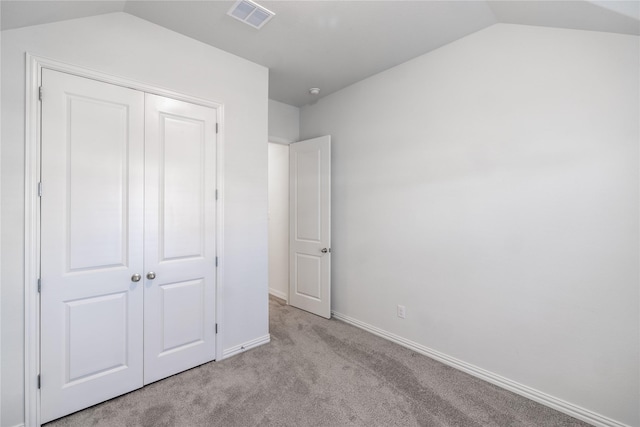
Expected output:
{"points": [[19, 425], [228, 352], [279, 294], [523, 390]]}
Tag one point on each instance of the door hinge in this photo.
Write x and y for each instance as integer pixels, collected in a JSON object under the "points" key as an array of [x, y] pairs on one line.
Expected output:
{"points": [[216, 128], [39, 382], [39, 285], [216, 261], [216, 328], [216, 194], [40, 189], [40, 93]]}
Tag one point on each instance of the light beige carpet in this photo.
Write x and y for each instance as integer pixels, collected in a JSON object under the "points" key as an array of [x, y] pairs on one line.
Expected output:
{"points": [[318, 372]]}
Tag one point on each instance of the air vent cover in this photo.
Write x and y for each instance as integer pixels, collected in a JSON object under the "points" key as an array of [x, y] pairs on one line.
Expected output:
{"points": [[250, 13]]}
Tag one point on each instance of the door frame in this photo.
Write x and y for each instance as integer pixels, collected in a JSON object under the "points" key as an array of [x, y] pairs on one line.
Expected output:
{"points": [[33, 77]]}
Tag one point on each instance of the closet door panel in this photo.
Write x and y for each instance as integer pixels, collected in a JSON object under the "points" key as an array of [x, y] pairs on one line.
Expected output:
{"points": [[180, 238], [181, 229], [91, 242]]}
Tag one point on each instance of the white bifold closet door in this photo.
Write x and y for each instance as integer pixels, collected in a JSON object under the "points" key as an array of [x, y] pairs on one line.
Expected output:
{"points": [[127, 240]]}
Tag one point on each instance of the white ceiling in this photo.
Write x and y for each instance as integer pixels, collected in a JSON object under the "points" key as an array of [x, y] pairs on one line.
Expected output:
{"points": [[332, 44]]}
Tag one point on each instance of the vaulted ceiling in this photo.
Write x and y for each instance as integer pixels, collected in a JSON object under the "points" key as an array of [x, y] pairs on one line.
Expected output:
{"points": [[332, 44]]}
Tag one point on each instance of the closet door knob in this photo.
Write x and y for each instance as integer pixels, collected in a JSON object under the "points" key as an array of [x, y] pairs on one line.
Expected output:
{"points": [[151, 275], [136, 277]]}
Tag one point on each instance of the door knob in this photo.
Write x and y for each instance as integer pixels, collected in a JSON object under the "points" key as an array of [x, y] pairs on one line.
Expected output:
{"points": [[151, 275], [325, 250], [136, 277]]}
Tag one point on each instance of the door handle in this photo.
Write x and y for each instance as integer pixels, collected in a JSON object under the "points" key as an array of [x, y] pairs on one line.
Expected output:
{"points": [[151, 275], [325, 250], [136, 277]]}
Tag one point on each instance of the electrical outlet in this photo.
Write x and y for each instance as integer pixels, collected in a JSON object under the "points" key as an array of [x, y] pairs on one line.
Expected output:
{"points": [[402, 311]]}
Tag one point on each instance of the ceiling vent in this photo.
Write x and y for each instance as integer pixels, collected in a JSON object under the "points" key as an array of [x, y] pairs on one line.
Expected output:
{"points": [[250, 13]]}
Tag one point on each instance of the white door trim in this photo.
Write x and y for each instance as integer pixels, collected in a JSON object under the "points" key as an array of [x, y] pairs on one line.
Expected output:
{"points": [[34, 66]]}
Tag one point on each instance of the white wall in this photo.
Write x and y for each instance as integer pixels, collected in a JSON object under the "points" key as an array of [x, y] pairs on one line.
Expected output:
{"points": [[125, 46], [491, 186], [284, 128], [0, 224], [284, 122], [279, 220]]}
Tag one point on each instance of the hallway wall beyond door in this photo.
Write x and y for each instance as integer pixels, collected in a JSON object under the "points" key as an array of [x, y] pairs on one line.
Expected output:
{"points": [[279, 220]]}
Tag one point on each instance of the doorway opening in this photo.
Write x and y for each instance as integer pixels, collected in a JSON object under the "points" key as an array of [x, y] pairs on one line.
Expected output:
{"points": [[300, 224], [278, 218]]}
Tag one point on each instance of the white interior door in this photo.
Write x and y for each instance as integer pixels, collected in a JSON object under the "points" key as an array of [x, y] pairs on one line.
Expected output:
{"points": [[91, 242], [310, 219], [180, 236], [122, 181]]}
